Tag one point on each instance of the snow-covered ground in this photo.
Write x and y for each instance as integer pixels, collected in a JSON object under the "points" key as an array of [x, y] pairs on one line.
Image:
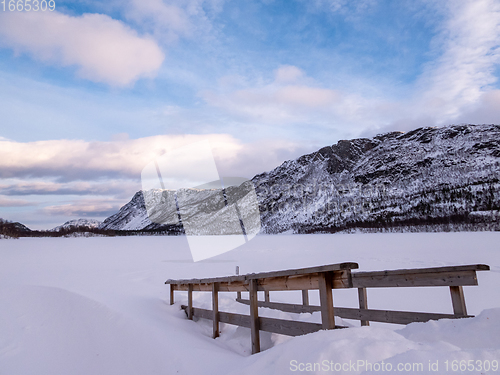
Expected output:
{"points": [[99, 306]]}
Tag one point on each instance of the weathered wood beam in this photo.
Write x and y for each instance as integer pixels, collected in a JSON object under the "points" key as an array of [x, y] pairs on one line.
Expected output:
{"points": [[262, 275], [215, 310], [458, 300], [390, 279], [254, 317], [341, 279], [266, 296], [190, 302], [305, 297], [286, 307], [363, 303], [172, 288], [389, 316], [326, 300], [383, 316], [280, 326]]}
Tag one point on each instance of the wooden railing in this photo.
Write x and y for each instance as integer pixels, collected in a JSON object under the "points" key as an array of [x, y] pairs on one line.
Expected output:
{"points": [[324, 279]]}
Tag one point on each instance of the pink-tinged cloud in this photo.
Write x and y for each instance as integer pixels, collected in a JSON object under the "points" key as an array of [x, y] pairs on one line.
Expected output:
{"points": [[101, 48], [83, 208], [77, 160], [8, 202]]}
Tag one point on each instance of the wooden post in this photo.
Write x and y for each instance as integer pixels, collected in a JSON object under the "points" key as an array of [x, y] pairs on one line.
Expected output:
{"points": [[266, 296], [171, 294], [215, 309], [458, 300], [254, 317], [326, 300], [238, 294], [363, 303], [190, 302], [305, 297]]}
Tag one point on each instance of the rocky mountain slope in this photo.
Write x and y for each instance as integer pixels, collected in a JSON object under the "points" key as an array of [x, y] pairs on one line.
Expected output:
{"points": [[445, 176]]}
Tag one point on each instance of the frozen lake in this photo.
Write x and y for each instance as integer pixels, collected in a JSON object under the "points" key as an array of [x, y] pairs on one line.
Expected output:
{"points": [[100, 306]]}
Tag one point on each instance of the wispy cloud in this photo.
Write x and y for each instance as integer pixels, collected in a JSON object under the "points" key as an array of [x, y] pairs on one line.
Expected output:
{"points": [[8, 202], [76, 160], [470, 41], [115, 187], [103, 49], [293, 99], [82, 208], [455, 85]]}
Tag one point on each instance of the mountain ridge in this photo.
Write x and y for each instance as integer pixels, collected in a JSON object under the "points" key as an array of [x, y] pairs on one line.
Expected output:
{"points": [[427, 176]]}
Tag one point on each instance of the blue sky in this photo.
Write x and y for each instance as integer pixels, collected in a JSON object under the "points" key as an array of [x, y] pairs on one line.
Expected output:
{"points": [[93, 91]]}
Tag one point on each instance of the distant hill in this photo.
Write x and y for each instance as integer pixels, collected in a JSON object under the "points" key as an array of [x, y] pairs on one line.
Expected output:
{"points": [[12, 229], [79, 223]]}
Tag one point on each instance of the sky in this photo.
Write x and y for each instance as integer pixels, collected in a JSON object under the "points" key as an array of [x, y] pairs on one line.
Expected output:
{"points": [[93, 91]]}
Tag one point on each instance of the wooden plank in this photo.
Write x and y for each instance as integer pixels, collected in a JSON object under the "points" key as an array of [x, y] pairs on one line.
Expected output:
{"points": [[292, 272], [190, 302], [458, 300], [254, 317], [407, 271], [390, 279], [387, 316], [280, 326], [286, 307], [288, 327], [172, 287], [326, 268], [215, 310], [304, 271], [363, 303], [266, 296], [239, 286], [326, 300], [341, 279], [305, 297], [383, 316]]}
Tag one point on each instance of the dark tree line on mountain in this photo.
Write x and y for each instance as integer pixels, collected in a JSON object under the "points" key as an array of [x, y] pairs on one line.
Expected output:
{"points": [[16, 230]]}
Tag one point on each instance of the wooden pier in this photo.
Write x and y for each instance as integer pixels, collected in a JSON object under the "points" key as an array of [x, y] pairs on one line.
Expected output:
{"points": [[324, 279]]}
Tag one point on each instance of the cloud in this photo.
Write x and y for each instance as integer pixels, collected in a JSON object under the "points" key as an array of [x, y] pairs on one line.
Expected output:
{"points": [[487, 110], [343, 7], [288, 73], [160, 17], [7, 202], [169, 20], [120, 188], [103, 49], [74, 161], [457, 85], [291, 99], [82, 208], [464, 71]]}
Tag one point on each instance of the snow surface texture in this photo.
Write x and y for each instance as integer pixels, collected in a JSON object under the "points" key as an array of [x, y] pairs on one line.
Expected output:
{"points": [[99, 306], [445, 178]]}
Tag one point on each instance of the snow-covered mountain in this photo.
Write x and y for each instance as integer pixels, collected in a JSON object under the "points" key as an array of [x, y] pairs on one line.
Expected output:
{"points": [[132, 216], [79, 223], [433, 176]]}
